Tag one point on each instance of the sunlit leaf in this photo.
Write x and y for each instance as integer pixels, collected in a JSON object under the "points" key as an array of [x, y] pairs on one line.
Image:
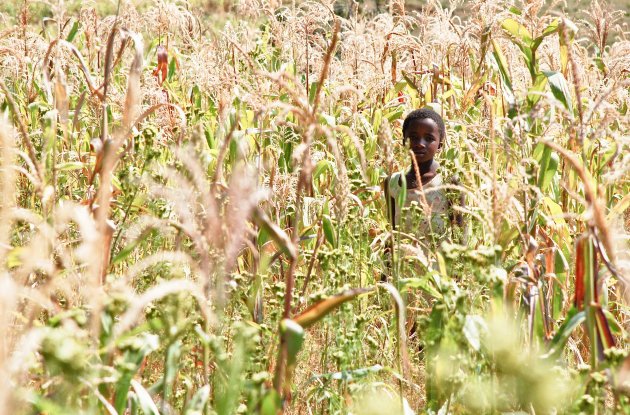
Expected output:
{"points": [[572, 321], [560, 89], [319, 310], [198, 402], [517, 30], [146, 403]]}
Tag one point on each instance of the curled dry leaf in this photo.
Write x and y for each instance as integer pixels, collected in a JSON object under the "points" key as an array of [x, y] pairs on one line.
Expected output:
{"points": [[162, 64]]}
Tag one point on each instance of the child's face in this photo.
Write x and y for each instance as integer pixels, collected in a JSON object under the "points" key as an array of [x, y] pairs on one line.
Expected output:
{"points": [[424, 139]]}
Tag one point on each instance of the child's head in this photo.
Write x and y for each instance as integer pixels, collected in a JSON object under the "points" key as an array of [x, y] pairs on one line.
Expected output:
{"points": [[425, 130]]}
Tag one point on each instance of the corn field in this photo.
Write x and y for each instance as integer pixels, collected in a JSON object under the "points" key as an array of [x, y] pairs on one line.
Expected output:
{"points": [[193, 218]]}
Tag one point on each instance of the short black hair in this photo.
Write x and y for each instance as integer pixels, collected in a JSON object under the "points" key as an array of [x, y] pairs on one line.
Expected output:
{"points": [[421, 114]]}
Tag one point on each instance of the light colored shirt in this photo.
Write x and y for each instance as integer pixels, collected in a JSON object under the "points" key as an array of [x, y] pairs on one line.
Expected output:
{"points": [[417, 209]]}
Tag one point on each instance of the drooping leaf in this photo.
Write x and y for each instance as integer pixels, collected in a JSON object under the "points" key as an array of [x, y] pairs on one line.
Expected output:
{"points": [[399, 181], [604, 330], [271, 403], [572, 321], [474, 328], [322, 167], [294, 336], [278, 235], [144, 398], [73, 31], [508, 91], [198, 402], [523, 39], [518, 31], [319, 310], [171, 368], [548, 165], [419, 283], [136, 350], [549, 30], [535, 92], [560, 89], [329, 230]]}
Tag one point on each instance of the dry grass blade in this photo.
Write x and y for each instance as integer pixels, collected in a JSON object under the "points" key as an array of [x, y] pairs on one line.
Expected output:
{"points": [[327, 59], [278, 235], [109, 66], [133, 98], [319, 310], [110, 154], [84, 69]]}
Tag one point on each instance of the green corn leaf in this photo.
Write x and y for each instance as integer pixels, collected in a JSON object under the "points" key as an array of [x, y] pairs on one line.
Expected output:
{"points": [[144, 399], [271, 403], [535, 92], [615, 327], [294, 336], [402, 194], [505, 75], [419, 283], [127, 250], [548, 163], [70, 165], [474, 329], [329, 229], [560, 89], [518, 31], [565, 42], [515, 10], [171, 368], [322, 166], [137, 348], [280, 237], [549, 30], [198, 402], [573, 320], [73, 31], [172, 66]]}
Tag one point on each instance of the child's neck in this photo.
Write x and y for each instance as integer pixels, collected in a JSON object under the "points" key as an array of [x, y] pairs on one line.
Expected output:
{"points": [[427, 170]]}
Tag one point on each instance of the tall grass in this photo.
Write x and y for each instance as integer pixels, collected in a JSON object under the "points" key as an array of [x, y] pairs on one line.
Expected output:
{"points": [[192, 218]]}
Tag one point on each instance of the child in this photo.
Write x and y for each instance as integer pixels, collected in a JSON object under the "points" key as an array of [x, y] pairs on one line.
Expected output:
{"points": [[424, 131]]}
